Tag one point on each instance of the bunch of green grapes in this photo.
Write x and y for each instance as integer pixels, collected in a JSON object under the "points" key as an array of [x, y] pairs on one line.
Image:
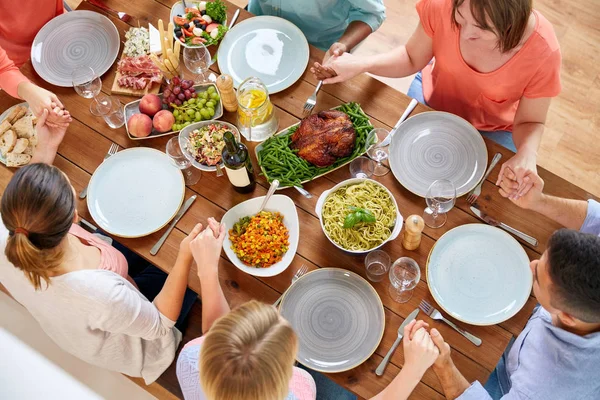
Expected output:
{"points": [[196, 109]]}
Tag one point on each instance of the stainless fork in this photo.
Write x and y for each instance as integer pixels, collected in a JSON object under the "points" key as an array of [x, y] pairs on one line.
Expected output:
{"points": [[111, 151], [297, 275], [474, 195], [311, 102], [435, 314]]}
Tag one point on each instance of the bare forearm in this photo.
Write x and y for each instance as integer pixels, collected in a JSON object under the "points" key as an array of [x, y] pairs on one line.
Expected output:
{"points": [[214, 304], [402, 385], [528, 136], [44, 154], [170, 298], [356, 32], [395, 63], [453, 382], [567, 212]]}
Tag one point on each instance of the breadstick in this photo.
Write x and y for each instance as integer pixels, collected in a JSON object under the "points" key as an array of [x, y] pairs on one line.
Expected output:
{"points": [[161, 32], [170, 35], [171, 57], [177, 49]]}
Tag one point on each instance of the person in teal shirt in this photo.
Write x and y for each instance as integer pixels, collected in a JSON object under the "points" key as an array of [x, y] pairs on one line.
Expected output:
{"points": [[335, 26]]}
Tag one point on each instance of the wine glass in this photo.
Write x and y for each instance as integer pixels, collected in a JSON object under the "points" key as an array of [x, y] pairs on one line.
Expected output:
{"points": [[440, 199], [404, 277], [197, 60], [379, 153], [362, 167], [179, 160], [88, 85]]}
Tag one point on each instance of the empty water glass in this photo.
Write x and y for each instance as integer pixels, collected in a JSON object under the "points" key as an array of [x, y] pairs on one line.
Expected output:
{"points": [[88, 85], [191, 174], [440, 199], [197, 60], [379, 153], [404, 277], [377, 264], [362, 167], [114, 115]]}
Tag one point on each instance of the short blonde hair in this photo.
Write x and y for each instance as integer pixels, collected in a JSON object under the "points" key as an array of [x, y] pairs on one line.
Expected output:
{"points": [[248, 354]]}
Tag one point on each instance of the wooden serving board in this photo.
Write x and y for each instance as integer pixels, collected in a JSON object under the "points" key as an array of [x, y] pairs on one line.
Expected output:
{"points": [[118, 89]]}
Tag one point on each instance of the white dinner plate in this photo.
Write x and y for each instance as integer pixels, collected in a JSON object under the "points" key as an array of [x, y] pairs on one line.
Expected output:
{"points": [[437, 145], [479, 274], [277, 203], [269, 48], [73, 39], [338, 317], [135, 192]]}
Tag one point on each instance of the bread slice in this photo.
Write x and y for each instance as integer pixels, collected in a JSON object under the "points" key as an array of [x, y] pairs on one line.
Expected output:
{"points": [[20, 146], [16, 160], [29, 150], [33, 141], [8, 142], [17, 113], [4, 126], [24, 127]]}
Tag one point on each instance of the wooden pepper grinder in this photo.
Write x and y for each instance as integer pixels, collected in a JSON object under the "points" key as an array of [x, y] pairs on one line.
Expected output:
{"points": [[412, 232], [228, 98]]}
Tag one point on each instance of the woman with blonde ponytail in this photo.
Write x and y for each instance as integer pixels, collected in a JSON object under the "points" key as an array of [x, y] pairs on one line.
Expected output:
{"points": [[77, 286]]}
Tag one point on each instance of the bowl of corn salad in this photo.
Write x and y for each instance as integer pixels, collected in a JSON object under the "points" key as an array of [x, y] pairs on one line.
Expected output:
{"points": [[265, 243]]}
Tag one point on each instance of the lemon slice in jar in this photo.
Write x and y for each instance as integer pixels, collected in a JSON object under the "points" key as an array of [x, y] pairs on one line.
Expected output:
{"points": [[257, 105]]}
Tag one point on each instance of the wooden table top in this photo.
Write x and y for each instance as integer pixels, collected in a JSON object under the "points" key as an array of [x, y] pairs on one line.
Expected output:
{"points": [[88, 139]]}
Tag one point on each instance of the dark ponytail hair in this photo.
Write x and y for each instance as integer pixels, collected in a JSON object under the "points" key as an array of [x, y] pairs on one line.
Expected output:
{"points": [[38, 207]]}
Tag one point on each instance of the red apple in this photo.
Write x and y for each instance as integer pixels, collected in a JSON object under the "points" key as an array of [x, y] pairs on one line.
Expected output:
{"points": [[150, 104], [139, 125], [163, 121]]}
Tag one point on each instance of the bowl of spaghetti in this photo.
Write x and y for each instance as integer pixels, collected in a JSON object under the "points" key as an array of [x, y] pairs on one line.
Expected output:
{"points": [[262, 243], [359, 215]]}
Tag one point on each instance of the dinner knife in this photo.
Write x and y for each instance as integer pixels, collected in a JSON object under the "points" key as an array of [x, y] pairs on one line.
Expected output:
{"points": [[386, 360], [491, 221], [411, 106], [180, 213]]}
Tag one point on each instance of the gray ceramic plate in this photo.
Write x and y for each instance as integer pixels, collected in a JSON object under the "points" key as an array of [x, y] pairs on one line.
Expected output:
{"points": [[437, 145], [270, 48], [72, 39], [479, 274], [338, 317]]}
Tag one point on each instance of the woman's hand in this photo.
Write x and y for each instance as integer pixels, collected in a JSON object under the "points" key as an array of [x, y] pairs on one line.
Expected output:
{"points": [[419, 350], [206, 250], [521, 166], [49, 138], [184, 247], [40, 99], [339, 68]]}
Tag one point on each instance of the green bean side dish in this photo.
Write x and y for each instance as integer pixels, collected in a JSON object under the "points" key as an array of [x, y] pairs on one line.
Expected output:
{"points": [[278, 161]]}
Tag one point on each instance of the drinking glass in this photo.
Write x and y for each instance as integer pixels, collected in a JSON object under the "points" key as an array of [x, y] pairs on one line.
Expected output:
{"points": [[379, 153], [377, 264], [362, 167], [113, 115], [404, 276], [197, 60], [179, 160], [88, 85], [440, 199]]}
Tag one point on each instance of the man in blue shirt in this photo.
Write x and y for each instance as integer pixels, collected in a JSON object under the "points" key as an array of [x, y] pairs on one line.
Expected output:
{"points": [[557, 356], [335, 26]]}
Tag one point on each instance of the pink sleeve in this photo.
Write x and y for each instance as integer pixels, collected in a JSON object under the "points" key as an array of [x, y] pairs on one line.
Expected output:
{"points": [[429, 12], [302, 385], [10, 76], [546, 81]]}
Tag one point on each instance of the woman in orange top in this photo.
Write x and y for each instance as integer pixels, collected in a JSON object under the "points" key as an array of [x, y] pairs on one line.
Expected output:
{"points": [[18, 27], [495, 63]]}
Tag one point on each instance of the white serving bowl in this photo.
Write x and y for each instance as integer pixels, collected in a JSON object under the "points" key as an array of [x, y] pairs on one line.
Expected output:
{"points": [[277, 203], [179, 9], [325, 194]]}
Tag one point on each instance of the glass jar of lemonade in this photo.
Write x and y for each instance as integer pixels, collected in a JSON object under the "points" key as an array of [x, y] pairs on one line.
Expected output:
{"points": [[256, 117]]}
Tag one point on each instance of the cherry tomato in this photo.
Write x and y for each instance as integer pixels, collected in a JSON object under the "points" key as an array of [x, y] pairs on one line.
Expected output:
{"points": [[179, 20], [198, 40]]}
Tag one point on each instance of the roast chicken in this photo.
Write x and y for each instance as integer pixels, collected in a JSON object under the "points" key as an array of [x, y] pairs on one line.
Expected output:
{"points": [[324, 137]]}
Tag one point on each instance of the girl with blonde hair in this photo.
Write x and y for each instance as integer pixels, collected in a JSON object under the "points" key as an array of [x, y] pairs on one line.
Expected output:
{"points": [[249, 353]]}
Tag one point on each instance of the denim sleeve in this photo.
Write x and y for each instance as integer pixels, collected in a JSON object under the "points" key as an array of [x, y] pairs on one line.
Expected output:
{"points": [[371, 12], [592, 219]]}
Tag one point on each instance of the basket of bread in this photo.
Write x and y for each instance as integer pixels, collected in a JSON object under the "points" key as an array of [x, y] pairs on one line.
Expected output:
{"points": [[17, 136]]}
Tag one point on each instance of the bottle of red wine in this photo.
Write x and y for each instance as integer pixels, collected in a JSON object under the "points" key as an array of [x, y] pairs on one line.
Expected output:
{"points": [[238, 165]]}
